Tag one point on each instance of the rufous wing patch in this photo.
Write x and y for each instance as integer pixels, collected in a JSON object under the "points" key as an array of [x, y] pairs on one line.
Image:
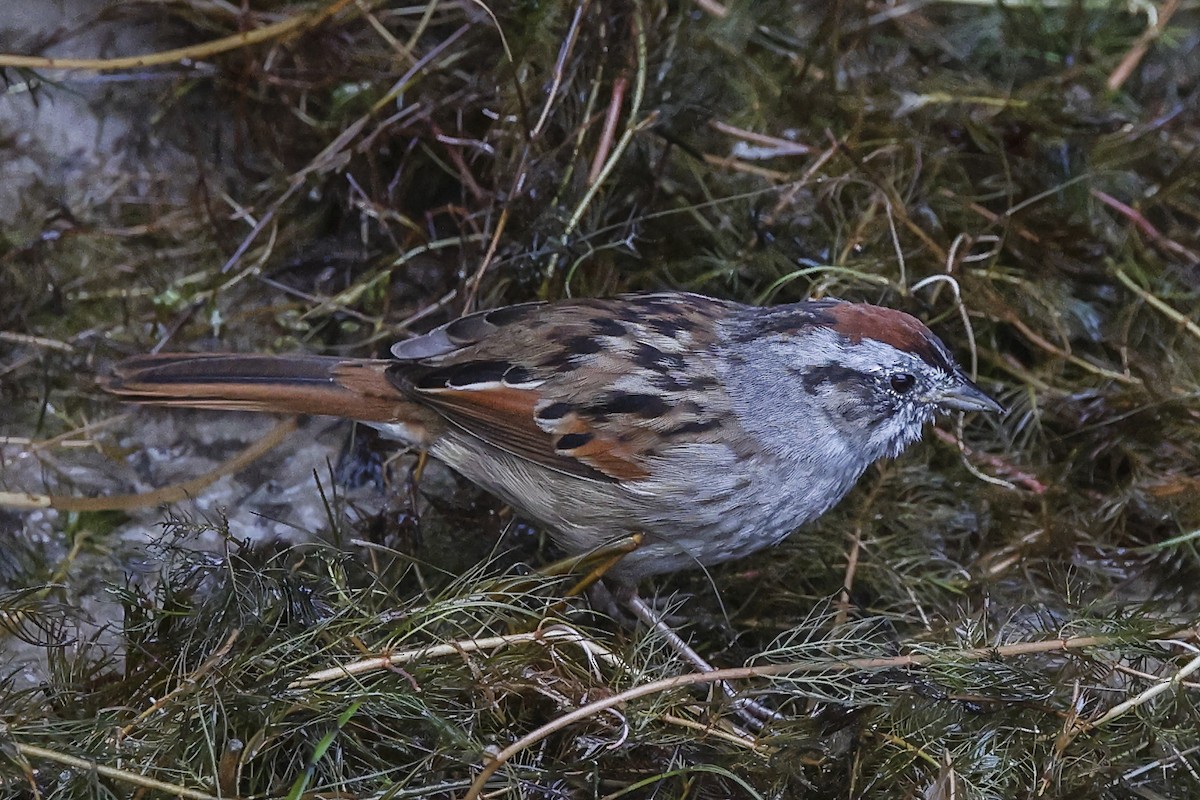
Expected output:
{"points": [[576, 437], [609, 456], [505, 417]]}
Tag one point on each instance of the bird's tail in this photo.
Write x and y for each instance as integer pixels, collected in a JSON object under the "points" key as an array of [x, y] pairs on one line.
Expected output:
{"points": [[293, 384]]}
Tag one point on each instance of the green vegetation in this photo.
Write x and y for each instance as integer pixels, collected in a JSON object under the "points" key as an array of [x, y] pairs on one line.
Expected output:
{"points": [[1014, 616]]}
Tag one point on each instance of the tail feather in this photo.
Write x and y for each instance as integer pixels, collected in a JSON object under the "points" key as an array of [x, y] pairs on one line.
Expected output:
{"points": [[295, 384]]}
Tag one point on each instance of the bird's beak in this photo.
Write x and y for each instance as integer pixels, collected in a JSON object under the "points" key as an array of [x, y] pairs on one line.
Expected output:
{"points": [[966, 396]]}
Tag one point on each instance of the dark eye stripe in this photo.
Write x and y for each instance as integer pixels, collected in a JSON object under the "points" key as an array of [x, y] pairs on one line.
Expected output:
{"points": [[813, 378]]}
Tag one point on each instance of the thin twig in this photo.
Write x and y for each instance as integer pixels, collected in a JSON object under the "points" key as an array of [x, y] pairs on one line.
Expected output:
{"points": [[1142, 46], [556, 634], [742, 673], [296, 24], [168, 494], [88, 766]]}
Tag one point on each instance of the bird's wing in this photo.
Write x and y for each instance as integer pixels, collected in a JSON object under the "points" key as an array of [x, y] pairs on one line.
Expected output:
{"points": [[584, 387]]}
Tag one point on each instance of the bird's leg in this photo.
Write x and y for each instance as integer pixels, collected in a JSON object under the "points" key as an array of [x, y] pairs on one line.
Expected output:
{"points": [[752, 712], [755, 714], [609, 557]]}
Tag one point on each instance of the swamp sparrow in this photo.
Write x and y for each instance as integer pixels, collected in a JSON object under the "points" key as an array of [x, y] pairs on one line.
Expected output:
{"points": [[714, 429]]}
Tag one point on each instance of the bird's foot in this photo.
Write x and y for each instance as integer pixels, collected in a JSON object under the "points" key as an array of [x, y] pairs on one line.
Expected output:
{"points": [[753, 713]]}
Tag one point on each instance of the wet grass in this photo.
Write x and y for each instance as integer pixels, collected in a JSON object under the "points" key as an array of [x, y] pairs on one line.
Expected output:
{"points": [[1014, 615]]}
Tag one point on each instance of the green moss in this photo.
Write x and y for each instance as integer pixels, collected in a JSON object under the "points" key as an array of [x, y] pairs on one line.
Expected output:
{"points": [[298, 195]]}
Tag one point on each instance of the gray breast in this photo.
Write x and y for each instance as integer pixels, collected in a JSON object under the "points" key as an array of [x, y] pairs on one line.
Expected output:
{"points": [[703, 504]]}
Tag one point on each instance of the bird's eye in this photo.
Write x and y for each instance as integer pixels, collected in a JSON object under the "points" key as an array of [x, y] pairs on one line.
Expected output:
{"points": [[902, 382]]}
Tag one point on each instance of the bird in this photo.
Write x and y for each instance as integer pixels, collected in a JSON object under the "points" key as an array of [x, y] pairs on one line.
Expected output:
{"points": [[709, 428]]}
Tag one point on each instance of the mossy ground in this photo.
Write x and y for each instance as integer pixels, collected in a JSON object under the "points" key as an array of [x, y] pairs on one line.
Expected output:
{"points": [[1015, 617]]}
